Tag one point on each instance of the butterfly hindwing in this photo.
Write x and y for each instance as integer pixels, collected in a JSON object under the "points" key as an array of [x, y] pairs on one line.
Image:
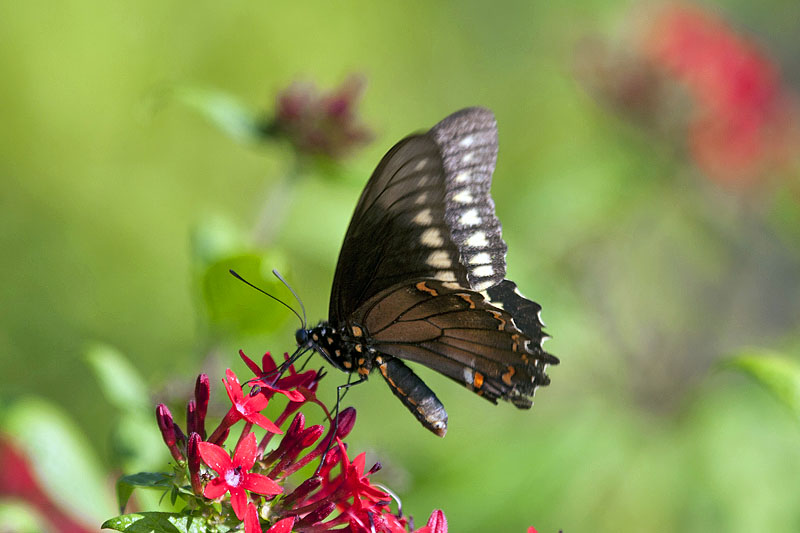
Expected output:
{"points": [[458, 333]]}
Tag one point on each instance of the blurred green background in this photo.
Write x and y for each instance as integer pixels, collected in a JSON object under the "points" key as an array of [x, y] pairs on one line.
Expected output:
{"points": [[648, 272]]}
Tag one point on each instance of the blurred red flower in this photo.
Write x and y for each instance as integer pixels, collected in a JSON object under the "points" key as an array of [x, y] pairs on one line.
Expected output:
{"points": [[744, 120], [685, 72]]}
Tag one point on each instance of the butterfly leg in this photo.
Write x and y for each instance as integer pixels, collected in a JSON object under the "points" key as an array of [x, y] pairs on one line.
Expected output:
{"points": [[415, 395], [339, 397]]}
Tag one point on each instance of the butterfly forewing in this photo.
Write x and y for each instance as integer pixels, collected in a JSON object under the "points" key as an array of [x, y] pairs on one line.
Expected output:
{"points": [[398, 230], [468, 143], [426, 213]]}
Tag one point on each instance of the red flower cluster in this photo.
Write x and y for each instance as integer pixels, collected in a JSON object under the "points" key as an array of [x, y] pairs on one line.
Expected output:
{"points": [[318, 123], [338, 494], [743, 121]]}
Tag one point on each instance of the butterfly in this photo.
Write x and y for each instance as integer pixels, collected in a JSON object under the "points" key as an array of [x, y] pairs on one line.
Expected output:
{"points": [[421, 278]]}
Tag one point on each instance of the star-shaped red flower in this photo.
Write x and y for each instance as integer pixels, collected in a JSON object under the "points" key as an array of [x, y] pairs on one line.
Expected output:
{"points": [[233, 474], [247, 407], [271, 382]]}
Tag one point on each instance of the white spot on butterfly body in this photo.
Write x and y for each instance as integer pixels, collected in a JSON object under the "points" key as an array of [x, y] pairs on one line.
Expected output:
{"points": [[463, 177], [423, 180], [432, 238], [464, 197], [477, 240], [467, 157], [483, 271], [421, 199], [480, 259], [467, 141], [470, 218], [439, 259], [451, 285], [423, 218], [421, 164], [539, 316]]}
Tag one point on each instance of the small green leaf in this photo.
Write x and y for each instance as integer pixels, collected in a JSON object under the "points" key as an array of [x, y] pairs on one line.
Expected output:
{"points": [[223, 110], [777, 372], [216, 238], [120, 381], [237, 308], [148, 480], [62, 459], [155, 522]]}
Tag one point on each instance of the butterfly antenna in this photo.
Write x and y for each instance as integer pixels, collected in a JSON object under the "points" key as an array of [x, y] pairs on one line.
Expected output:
{"points": [[262, 291], [299, 301]]}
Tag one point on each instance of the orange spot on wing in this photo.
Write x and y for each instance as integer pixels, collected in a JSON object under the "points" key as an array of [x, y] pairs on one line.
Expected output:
{"points": [[423, 286], [508, 375]]}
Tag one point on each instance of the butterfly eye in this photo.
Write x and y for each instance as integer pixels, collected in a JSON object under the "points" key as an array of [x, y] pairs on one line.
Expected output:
{"points": [[301, 336]]}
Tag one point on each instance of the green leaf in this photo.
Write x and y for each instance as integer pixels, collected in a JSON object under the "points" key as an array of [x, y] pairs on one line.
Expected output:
{"points": [[237, 308], [223, 110], [62, 459], [148, 480], [120, 381], [216, 238], [777, 372], [156, 522], [136, 440]]}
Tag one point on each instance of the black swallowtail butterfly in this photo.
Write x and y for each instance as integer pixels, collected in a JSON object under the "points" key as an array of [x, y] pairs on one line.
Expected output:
{"points": [[421, 277]]}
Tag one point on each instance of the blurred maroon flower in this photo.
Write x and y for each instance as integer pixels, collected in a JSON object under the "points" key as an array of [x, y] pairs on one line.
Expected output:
{"points": [[319, 123]]}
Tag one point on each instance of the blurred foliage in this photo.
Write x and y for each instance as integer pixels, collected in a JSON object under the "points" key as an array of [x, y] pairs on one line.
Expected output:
{"points": [[122, 211]]}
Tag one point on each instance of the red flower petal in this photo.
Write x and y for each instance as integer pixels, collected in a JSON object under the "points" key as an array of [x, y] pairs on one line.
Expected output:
{"points": [[260, 484], [283, 526], [250, 363], [238, 501], [264, 422], [215, 457], [232, 386], [251, 522], [268, 363], [215, 488], [245, 453]]}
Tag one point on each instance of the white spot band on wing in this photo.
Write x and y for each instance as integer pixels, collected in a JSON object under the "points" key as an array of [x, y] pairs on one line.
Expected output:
{"points": [[464, 197], [470, 218], [432, 238], [423, 218], [439, 259], [480, 259], [477, 240]]}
